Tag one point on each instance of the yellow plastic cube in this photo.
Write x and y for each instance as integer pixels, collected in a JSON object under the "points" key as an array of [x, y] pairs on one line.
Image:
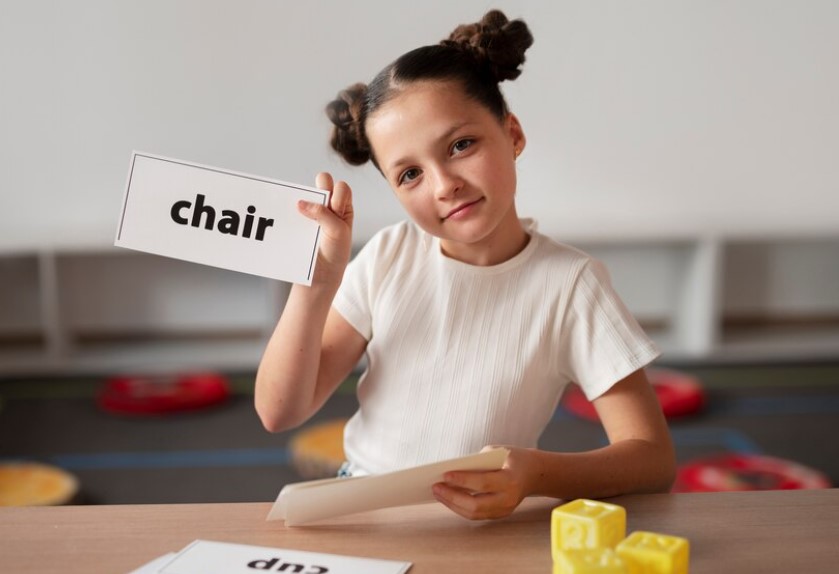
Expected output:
{"points": [[586, 524], [656, 553], [589, 561]]}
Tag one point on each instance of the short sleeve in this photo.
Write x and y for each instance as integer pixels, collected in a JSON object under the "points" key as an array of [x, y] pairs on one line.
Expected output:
{"points": [[353, 299], [364, 276], [602, 341]]}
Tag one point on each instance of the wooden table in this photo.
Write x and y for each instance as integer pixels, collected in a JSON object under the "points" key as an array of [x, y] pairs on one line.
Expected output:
{"points": [[762, 532]]}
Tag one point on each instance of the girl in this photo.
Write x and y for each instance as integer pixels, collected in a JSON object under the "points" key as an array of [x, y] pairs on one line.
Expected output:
{"points": [[472, 321]]}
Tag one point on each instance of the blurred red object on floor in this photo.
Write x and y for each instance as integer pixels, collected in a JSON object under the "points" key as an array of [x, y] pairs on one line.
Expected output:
{"points": [[161, 394], [735, 472], [679, 394]]}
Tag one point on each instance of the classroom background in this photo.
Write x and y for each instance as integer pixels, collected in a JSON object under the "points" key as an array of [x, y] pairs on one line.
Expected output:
{"points": [[692, 146]]}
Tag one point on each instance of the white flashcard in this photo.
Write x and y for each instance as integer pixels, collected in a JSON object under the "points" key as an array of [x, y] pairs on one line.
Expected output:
{"points": [[313, 500], [219, 217], [208, 557], [155, 565]]}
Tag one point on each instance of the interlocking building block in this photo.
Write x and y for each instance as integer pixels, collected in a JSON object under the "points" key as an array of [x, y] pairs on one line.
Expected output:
{"points": [[590, 561], [586, 524], [655, 553]]}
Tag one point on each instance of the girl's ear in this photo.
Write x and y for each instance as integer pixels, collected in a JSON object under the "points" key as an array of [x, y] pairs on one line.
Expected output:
{"points": [[516, 133]]}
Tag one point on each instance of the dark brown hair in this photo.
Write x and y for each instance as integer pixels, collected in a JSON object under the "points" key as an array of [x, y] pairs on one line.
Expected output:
{"points": [[479, 56]]}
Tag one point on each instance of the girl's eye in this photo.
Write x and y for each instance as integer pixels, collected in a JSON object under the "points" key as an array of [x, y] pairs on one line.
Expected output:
{"points": [[409, 175], [461, 145]]}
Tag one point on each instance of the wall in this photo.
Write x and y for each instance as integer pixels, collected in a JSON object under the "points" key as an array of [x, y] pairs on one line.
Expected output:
{"points": [[643, 118], [691, 145]]}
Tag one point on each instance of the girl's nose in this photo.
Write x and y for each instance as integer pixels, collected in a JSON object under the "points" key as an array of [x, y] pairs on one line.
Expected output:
{"points": [[447, 183]]}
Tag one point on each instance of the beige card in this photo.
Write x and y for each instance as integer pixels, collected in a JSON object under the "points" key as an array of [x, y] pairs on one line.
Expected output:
{"points": [[304, 502]]}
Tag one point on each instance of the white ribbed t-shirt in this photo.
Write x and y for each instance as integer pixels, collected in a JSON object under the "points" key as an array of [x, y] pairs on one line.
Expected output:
{"points": [[461, 356]]}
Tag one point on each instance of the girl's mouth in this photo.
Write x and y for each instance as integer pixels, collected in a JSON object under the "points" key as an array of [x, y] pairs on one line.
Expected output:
{"points": [[462, 210]]}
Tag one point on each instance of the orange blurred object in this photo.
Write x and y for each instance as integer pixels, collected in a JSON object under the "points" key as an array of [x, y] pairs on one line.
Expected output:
{"points": [[35, 484]]}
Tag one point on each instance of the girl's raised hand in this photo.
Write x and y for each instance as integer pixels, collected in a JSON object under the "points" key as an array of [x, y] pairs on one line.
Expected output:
{"points": [[335, 219]]}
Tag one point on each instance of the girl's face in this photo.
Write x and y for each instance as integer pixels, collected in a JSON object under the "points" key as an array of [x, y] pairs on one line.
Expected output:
{"points": [[451, 163]]}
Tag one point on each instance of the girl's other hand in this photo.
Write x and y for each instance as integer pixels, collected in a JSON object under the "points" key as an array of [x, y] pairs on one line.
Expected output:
{"points": [[335, 219], [480, 495]]}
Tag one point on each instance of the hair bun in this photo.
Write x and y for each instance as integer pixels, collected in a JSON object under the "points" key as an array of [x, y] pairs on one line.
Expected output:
{"points": [[345, 113], [499, 42]]}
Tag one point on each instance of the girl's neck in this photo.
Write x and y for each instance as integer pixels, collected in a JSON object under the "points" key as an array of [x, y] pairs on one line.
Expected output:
{"points": [[507, 241]]}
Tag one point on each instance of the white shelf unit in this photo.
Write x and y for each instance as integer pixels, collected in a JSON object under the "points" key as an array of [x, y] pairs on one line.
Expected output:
{"points": [[99, 309], [731, 299], [672, 288], [780, 298], [107, 310]]}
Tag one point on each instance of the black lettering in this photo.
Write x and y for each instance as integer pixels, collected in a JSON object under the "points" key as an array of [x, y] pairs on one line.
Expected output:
{"points": [[246, 231], [229, 224], [201, 209], [285, 566], [320, 570], [177, 207], [204, 215], [262, 226], [263, 564]]}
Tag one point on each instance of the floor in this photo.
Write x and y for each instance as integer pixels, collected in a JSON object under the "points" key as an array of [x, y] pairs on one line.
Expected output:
{"points": [[222, 454]]}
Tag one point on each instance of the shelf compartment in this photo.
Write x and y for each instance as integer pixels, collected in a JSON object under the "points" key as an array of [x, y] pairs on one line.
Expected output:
{"points": [[125, 293], [21, 321]]}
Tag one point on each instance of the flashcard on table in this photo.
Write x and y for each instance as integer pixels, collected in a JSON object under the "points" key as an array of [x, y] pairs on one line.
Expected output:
{"points": [[208, 557], [219, 217], [303, 502], [155, 565]]}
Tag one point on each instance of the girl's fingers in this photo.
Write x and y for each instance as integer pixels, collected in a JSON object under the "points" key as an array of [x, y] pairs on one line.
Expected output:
{"points": [[340, 202], [313, 210], [476, 481], [473, 506], [329, 222], [335, 221], [323, 181]]}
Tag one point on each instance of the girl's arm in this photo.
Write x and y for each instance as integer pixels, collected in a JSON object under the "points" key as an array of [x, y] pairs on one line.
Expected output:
{"points": [[640, 458], [312, 349]]}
